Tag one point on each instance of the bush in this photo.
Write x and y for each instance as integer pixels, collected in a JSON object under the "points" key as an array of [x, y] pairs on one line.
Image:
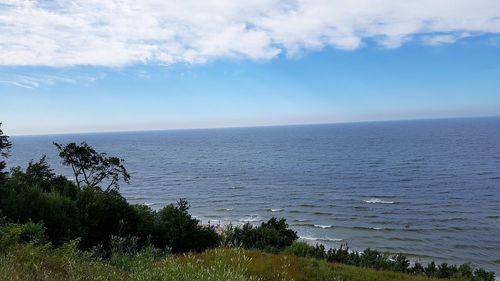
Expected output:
{"points": [[22, 203], [103, 215], [482, 275], [374, 259], [69, 212], [343, 255], [302, 249], [179, 231], [272, 235], [11, 234]]}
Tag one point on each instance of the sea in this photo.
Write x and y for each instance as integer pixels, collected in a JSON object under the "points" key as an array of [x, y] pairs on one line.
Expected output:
{"points": [[429, 189]]}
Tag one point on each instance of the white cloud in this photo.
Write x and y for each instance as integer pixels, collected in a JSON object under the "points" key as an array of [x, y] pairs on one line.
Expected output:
{"points": [[122, 32], [32, 81]]}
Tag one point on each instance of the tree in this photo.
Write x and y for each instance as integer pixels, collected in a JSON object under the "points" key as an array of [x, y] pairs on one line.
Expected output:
{"points": [[5, 146], [90, 167]]}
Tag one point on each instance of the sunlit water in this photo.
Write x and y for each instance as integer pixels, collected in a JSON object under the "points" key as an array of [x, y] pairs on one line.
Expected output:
{"points": [[427, 188]]}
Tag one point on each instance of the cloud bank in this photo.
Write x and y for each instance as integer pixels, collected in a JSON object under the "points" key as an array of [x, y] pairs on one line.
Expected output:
{"points": [[123, 32]]}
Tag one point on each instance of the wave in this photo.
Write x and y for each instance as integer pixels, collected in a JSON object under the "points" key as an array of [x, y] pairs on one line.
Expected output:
{"points": [[493, 217], [276, 210], [323, 226], [225, 209], [378, 201], [320, 239], [149, 204], [313, 225], [322, 214], [370, 228], [252, 218], [301, 220]]}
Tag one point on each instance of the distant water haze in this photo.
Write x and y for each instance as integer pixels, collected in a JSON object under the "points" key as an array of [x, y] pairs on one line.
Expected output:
{"points": [[427, 188]]}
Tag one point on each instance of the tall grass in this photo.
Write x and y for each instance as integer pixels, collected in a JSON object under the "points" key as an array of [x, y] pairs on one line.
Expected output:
{"points": [[42, 262]]}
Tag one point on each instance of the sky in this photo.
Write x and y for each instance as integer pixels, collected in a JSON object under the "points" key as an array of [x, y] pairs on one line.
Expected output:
{"points": [[92, 66]]}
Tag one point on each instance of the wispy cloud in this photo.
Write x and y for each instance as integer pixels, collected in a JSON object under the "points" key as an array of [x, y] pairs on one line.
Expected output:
{"points": [[32, 81], [123, 32]]}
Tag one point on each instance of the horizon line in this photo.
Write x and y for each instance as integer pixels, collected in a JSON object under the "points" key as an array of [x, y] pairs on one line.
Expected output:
{"points": [[257, 126]]}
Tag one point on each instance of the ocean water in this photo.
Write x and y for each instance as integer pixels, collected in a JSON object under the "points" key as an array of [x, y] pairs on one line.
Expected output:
{"points": [[430, 188]]}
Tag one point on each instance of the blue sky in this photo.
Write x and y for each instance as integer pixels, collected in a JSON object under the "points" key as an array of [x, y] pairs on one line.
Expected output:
{"points": [[431, 74]]}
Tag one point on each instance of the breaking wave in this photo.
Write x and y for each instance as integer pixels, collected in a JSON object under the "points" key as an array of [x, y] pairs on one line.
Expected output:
{"points": [[378, 201]]}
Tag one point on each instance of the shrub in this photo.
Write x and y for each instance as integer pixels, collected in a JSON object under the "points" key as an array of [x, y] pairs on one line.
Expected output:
{"points": [[178, 230], [103, 214], [374, 259], [69, 212], [399, 263], [417, 268], [11, 234], [124, 245], [22, 203], [271, 235], [302, 249], [431, 269], [482, 275], [343, 255]]}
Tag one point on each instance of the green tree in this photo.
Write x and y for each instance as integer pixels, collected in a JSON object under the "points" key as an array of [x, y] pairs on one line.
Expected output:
{"points": [[5, 146], [92, 168]]}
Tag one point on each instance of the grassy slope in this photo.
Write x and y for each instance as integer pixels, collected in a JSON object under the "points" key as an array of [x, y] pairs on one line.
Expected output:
{"points": [[44, 263]]}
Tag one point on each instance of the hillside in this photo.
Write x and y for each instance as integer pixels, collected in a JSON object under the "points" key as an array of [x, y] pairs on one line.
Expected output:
{"points": [[29, 262]]}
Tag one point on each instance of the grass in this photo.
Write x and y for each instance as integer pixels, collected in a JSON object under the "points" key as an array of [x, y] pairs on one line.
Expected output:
{"points": [[29, 262]]}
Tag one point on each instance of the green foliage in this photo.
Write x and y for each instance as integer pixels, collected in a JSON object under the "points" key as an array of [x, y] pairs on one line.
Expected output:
{"points": [[91, 167], [181, 232], [5, 146], [272, 235], [302, 249], [95, 216], [343, 255], [24, 202], [482, 275], [10, 234], [103, 215], [398, 263], [67, 263]]}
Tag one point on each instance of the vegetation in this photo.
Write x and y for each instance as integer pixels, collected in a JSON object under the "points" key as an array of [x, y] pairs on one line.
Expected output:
{"points": [[52, 228], [382, 261], [91, 167], [83, 210], [4, 152], [34, 261], [273, 235]]}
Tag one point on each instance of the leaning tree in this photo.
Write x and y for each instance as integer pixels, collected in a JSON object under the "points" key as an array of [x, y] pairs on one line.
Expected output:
{"points": [[92, 168]]}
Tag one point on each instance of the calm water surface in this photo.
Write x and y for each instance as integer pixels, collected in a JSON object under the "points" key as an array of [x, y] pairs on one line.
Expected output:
{"points": [[427, 188]]}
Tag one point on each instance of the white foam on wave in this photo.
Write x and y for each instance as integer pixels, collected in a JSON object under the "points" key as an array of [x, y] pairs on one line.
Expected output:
{"points": [[323, 226], [252, 218], [149, 204], [377, 200], [276, 210], [320, 239], [225, 209]]}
